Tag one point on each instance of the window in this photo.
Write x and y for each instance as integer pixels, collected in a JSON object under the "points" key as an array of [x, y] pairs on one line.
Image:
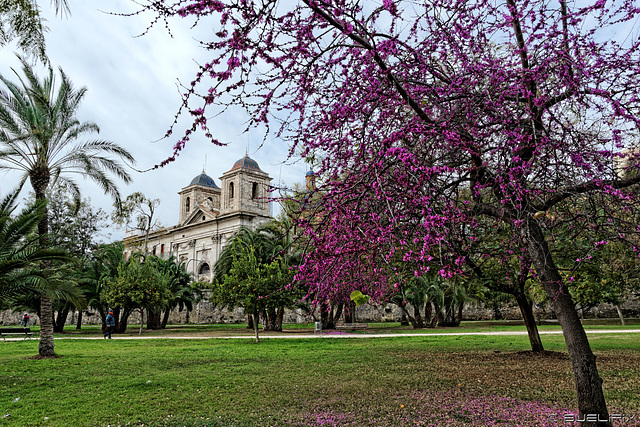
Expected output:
{"points": [[154, 250], [254, 191], [187, 205], [204, 269], [162, 248], [231, 190]]}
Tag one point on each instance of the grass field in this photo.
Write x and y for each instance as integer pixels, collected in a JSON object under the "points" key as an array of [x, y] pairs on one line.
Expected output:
{"points": [[421, 380]]}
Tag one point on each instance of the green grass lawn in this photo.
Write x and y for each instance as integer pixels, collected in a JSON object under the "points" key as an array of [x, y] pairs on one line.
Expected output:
{"points": [[439, 380]]}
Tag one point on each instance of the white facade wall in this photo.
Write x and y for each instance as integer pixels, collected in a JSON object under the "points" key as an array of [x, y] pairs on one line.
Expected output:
{"points": [[209, 216]]}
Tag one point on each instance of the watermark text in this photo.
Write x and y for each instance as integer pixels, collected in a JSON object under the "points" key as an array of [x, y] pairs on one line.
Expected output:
{"points": [[594, 418]]}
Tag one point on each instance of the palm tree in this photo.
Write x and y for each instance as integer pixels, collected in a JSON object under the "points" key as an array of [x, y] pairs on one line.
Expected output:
{"points": [[41, 137], [183, 293], [21, 20], [19, 253], [269, 242], [109, 260]]}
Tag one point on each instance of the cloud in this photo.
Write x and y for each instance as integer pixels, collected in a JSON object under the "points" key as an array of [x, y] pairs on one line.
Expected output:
{"points": [[133, 96]]}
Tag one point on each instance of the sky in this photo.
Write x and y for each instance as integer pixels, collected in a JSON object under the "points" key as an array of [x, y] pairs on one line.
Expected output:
{"points": [[133, 96]]}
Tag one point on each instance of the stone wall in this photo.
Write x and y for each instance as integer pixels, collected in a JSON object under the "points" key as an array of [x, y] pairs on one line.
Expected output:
{"points": [[205, 312], [511, 311]]}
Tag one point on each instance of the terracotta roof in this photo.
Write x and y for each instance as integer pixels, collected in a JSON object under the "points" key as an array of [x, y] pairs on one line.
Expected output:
{"points": [[247, 163]]}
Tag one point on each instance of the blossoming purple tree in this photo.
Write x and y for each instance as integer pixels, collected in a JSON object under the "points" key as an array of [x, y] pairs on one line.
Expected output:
{"points": [[433, 122]]}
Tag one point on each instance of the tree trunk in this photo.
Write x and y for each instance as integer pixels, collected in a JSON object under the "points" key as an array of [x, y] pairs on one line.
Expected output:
{"points": [[529, 320], [324, 316], [39, 178], [256, 316], [249, 321], [409, 317], [165, 318], [116, 319], [79, 322], [450, 319], [46, 345], [418, 317], [153, 319], [61, 320], [141, 321], [620, 315], [428, 315], [335, 315], [431, 315], [269, 315], [497, 313], [121, 326], [587, 380], [348, 316], [279, 319], [349, 313], [329, 315], [403, 320]]}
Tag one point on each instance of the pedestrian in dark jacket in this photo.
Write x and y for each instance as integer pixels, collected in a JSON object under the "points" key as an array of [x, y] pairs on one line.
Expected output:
{"points": [[111, 323]]}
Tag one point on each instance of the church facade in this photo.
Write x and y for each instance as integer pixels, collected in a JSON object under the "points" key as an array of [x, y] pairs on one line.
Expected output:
{"points": [[209, 216]]}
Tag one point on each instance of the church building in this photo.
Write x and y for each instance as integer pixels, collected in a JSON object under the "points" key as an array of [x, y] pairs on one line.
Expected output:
{"points": [[209, 216]]}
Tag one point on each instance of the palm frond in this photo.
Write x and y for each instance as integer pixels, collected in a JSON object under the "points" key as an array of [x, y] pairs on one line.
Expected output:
{"points": [[41, 135]]}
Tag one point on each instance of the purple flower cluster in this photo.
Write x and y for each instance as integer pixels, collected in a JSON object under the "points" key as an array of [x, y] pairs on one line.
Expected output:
{"points": [[436, 408], [447, 135]]}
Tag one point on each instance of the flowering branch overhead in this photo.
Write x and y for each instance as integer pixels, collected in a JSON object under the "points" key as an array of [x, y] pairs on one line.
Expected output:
{"points": [[431, 123]]}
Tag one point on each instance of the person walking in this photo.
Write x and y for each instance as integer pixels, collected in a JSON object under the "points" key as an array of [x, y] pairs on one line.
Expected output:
{"points": [[111, 323], [25, 320]]}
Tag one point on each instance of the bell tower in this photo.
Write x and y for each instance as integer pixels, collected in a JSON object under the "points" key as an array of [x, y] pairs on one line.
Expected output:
{"points": [[201, 192], [245, 188]]}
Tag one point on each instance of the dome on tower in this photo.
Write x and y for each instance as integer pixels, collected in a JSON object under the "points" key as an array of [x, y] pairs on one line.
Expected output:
{"points": [[247, 163], [204, 180]]}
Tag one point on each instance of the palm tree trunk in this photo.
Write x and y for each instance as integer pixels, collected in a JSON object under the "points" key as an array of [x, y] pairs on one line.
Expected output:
{"points": [[61, 320], [428, 314], [46, 345], [418, 316], [79, 323], [39, 182]]}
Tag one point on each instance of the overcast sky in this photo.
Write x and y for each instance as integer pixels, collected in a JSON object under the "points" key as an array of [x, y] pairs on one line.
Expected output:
{"points": [[133, 97]]}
